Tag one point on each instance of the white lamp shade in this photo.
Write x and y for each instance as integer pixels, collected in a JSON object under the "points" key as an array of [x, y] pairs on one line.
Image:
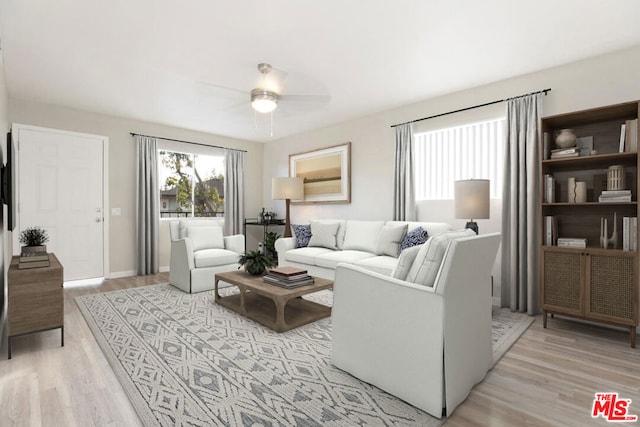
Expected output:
{"points": [[472, 199], [291, 188]]}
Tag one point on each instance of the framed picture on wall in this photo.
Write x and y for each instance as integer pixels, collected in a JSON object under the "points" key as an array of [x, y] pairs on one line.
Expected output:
{"points": [[326, 174]]}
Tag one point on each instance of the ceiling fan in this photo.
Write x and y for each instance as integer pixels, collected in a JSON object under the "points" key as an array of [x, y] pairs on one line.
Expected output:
{"points": [[274, 90]]}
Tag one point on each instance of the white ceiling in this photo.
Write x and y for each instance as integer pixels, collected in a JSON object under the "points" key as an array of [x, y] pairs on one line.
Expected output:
{"points": [[163, 60]]}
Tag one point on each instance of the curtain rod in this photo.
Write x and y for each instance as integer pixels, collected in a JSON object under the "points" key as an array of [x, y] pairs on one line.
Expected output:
{"points": [[186, 142], [471, 108]]}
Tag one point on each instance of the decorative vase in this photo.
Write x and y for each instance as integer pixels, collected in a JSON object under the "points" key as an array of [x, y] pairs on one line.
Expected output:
{"points": [[581, 192], [566, 138], [571, 190], [255, 269], [615, 178]]}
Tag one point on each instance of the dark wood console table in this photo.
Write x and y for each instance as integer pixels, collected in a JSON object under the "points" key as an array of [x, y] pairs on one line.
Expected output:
{"points": [[36, 300]]}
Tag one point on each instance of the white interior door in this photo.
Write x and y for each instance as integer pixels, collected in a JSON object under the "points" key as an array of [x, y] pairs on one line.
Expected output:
{"points": [[60, 188]]}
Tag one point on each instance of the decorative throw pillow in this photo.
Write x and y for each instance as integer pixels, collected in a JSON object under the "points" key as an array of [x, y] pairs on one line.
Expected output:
{"points": [[389, 239], [414, 237], [324, 235], [302, 233], [405, 262], [427, 263], [206, 237], [362, 235]]}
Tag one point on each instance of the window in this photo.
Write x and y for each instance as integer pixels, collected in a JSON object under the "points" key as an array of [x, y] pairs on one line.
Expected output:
{"points": [[191, 185], [473, 151]]}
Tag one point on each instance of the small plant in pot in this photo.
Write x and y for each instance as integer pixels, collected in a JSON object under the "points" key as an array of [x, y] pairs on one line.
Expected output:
{"points": [[254, 262], [34, 239]]}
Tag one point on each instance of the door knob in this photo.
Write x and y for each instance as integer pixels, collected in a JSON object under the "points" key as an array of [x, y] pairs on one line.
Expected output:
{"points": [[98, 219]]}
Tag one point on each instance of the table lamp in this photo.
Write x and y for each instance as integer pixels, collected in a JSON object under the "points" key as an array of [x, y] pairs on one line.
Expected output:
{"points": [[287, 188], [472, 201]]}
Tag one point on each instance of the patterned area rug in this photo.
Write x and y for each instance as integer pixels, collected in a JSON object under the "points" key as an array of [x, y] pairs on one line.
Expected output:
{"points": [[183, 360]]}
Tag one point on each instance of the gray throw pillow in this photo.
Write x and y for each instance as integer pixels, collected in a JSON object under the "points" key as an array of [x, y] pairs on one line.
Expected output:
{"points": [[389, 239], [324, 235]]}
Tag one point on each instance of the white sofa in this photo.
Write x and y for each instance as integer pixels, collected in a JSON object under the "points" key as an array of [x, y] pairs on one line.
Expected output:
{"points": [[356, 243], [199, 250], [428, 345]]}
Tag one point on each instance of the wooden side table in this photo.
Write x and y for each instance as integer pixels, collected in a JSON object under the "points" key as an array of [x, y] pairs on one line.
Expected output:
{"points": [[36, 300]]}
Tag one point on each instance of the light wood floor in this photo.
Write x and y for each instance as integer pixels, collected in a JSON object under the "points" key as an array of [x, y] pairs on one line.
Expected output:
{"points": [[548, 378]]}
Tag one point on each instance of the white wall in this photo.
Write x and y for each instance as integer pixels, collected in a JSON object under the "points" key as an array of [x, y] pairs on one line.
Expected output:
{"points": [[122, 234], [604, 80]]}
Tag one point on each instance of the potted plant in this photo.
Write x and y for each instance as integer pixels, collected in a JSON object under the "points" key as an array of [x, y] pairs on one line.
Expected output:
{"points": [[34, 239], [254, 262], [270, 243]]}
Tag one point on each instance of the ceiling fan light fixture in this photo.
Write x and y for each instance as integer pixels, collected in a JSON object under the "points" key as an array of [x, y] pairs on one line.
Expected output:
{"points": [[264, 101]]}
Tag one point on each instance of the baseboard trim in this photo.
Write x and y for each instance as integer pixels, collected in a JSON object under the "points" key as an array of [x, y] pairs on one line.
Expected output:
{"points": [[121, 274]]}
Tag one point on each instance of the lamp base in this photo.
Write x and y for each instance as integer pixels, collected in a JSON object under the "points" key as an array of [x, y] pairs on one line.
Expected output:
{"points": [[287, 222], [472, 225]]}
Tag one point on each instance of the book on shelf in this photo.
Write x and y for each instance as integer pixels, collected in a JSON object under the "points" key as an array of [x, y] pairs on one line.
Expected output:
{"points": [[630, 233], [631, 136], [32, 264], [572, 242], [614, 199], [550, 230], [622, 137], [611, 193], [549, 189], [566, 150], [563, 155], [34, 256], [625, 233]]}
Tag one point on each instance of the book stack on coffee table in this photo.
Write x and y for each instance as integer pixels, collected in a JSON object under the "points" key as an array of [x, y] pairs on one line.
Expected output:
{"points": [[288, 277], [33, 260]]}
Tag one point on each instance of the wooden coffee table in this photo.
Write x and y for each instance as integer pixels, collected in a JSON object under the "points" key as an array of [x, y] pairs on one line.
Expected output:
{"points": [[277, 308]]}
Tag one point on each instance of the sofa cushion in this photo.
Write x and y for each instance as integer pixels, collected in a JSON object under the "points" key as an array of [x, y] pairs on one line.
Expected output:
{"points": [[206, 237], [324, 235], [305, 255], [380, 264], [214, 257], [389, 239], [186, 223], [405, 261], [415, 237], [302, 233], [349, 256], [427, 263], [362, 235]]}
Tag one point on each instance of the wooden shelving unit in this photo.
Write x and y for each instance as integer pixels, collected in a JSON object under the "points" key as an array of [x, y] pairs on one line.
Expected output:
{"points": [[595, 284]]}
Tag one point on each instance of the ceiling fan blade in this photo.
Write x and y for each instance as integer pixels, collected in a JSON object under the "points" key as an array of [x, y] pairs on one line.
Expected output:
{"points": [[221, 87], [303, 102]]}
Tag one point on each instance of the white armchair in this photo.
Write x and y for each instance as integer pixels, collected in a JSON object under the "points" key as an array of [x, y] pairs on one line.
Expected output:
{"points": [[426, 345], [198, 251]]}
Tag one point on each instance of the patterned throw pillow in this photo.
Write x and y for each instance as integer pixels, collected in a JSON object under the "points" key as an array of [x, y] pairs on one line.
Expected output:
{"points": [[415, 237], [302, 233]]}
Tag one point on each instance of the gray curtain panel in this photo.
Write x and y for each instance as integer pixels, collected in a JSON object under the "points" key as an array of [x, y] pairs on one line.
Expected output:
{"points": [[404, 198], [233, 192], [520, 289], [147, 204]]}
